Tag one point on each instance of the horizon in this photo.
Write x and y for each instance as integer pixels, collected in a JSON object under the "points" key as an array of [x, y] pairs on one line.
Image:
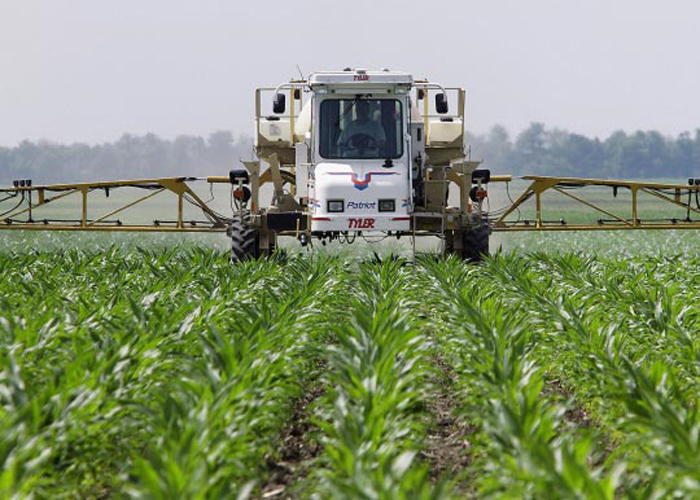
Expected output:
{"points": [[91, 72], [238, 137]]}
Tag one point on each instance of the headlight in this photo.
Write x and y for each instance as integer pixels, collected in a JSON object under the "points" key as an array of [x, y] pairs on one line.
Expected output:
{"points": [[387, 206], [335, 205]]}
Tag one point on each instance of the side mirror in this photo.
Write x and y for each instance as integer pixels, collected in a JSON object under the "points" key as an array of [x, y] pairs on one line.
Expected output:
{"points": [[278, 105], [441, 103], [483, 175], [239, 174], [420, 94]]}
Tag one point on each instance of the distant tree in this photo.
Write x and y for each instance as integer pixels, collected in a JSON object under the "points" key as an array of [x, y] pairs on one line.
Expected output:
{"points": [[613, 153], [694, 168], [681, 154], [496, 148], [221, 150], [583, 155], [189, 154], [530, 149]]}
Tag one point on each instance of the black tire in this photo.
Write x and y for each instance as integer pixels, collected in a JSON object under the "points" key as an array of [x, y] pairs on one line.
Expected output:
{"points": [[244, 241], [475, 241]]}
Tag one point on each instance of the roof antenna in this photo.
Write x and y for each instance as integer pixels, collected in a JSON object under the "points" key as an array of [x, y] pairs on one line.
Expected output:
{"points": [[300, 73]]}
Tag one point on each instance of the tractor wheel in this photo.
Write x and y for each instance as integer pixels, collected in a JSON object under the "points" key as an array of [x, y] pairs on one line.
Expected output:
{"points": [[244, 241], [475, 241]]}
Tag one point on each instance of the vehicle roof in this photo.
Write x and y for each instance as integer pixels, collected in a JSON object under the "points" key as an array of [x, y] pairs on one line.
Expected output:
{"points": [[360, 76]]}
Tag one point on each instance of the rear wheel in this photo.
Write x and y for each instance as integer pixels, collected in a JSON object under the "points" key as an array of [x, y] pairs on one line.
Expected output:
{"points": [[475, 240]]}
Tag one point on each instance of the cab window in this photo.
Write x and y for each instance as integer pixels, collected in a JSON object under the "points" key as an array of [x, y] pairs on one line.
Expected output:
{"points": [[361, 129]]}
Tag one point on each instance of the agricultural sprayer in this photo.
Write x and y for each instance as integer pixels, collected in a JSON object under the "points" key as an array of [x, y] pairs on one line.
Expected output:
{"points": [[350, 154]]}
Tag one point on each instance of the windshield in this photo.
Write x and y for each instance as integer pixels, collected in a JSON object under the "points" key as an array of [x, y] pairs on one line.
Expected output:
{"points": [[361, 128]]}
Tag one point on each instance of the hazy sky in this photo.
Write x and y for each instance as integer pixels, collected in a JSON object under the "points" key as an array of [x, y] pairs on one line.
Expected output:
{"points": [[90, 70]]}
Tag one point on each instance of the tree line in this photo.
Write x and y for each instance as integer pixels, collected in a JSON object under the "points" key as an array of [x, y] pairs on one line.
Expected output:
{"points": [[130, 157], [535, 150], [542, 151]]}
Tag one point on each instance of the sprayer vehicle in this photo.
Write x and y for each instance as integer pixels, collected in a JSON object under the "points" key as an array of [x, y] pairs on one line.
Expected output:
{"points": [[351, 154], [365, 153]]}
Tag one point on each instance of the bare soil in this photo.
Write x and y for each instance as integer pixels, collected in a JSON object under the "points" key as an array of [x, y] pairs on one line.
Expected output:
{"points": [[299, 448], [575, 414], [448, 451], [580, 417]]}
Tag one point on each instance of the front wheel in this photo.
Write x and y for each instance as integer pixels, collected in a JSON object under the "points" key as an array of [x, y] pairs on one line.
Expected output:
{"points": [[246, 241]]}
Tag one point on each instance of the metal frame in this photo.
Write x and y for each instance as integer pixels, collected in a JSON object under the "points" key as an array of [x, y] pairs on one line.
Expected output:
{"points": [[675, 195], [542, 184], [179, 186]]}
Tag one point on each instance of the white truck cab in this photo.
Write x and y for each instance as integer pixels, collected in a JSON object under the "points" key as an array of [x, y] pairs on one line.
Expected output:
{"points": [[360, 178]]}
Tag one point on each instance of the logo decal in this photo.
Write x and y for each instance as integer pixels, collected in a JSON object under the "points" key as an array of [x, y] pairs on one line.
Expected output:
{"points": [[362, 205], [364, 183], [361, 223]]}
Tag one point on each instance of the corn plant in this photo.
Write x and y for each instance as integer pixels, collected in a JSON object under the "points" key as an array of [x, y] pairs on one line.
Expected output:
{"points": [[166, 372], [377, 382]]}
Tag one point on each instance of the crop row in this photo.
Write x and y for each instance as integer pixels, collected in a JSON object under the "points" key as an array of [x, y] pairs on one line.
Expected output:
{"points": [[378, 383], [157, 375], [539, 340], [172, 374]]}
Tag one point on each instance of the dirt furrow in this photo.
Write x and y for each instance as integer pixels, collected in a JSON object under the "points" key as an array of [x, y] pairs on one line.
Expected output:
{"points": [[298, 448], [448, 450]]}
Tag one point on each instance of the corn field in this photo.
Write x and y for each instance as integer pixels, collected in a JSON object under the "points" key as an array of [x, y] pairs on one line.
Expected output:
{"points": [[171, 374]]}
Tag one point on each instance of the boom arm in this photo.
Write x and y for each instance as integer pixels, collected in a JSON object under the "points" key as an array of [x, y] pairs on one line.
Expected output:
{"points": [[668, 197], [25, 200], [18, 205]]}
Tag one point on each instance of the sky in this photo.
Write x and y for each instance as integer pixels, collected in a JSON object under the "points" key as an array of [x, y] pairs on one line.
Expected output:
{"points": [[92, 70]]}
